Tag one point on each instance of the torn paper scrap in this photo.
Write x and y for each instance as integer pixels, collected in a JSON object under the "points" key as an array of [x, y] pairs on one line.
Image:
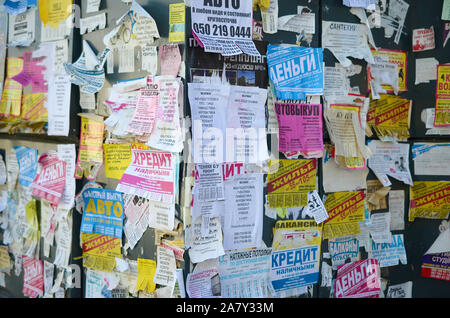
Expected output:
{"points": [[386, 58], [403, 290], [205, 247], [426, 70], [389, 254], [346, 40], [87, 72], [92, 23], [343, 249], [431, 159], [390, 159], [380, 227], [376, 195], [270, 18], [338, 179], [366, 4], [397, 209]]}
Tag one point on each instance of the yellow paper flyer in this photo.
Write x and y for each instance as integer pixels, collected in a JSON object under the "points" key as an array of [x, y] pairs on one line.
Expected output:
{"points": [[33, 108], [146, 272], [442, 106], [117, 159], [99, 251], [5, 260], [395, 57], [289, 182], [53, 12], [32, 231], [176, 22], [390, 116], [296, 233], [12, 90], [345, 211], [90, 154], [429, 199]]}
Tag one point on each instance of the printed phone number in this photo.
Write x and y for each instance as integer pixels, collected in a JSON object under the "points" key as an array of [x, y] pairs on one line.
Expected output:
{"points": [[222, 30]]}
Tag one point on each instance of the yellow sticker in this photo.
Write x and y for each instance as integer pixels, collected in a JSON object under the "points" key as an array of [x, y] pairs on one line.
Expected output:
{"points": [[429, 199], [146, 272], [442, 104], [289, 182], [290, 234], [53, 12], [176, 22], [117, 159], [345, 211]]}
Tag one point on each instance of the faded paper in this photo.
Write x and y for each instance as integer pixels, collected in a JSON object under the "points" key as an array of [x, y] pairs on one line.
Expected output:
{"points": [[426, 70], [389, 254], [346, 40], [431, 159]]}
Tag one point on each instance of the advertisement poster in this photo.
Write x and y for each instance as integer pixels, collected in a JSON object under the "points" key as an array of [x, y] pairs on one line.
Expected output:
{"points": [[295, 255], [33, 277], [289, 182], [50, 181], [343, 248], [28, 164], [223, 27], [242, 69], [245, 274], [300, 127], [99, 251], [423, 39], [390, 117], [345, 211], [389, 254], [442, 106], [360, 279], [394, 57], [90, 153], [151, 174], [295, 71], [103, 212], [117, 159], [429, 199]]}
